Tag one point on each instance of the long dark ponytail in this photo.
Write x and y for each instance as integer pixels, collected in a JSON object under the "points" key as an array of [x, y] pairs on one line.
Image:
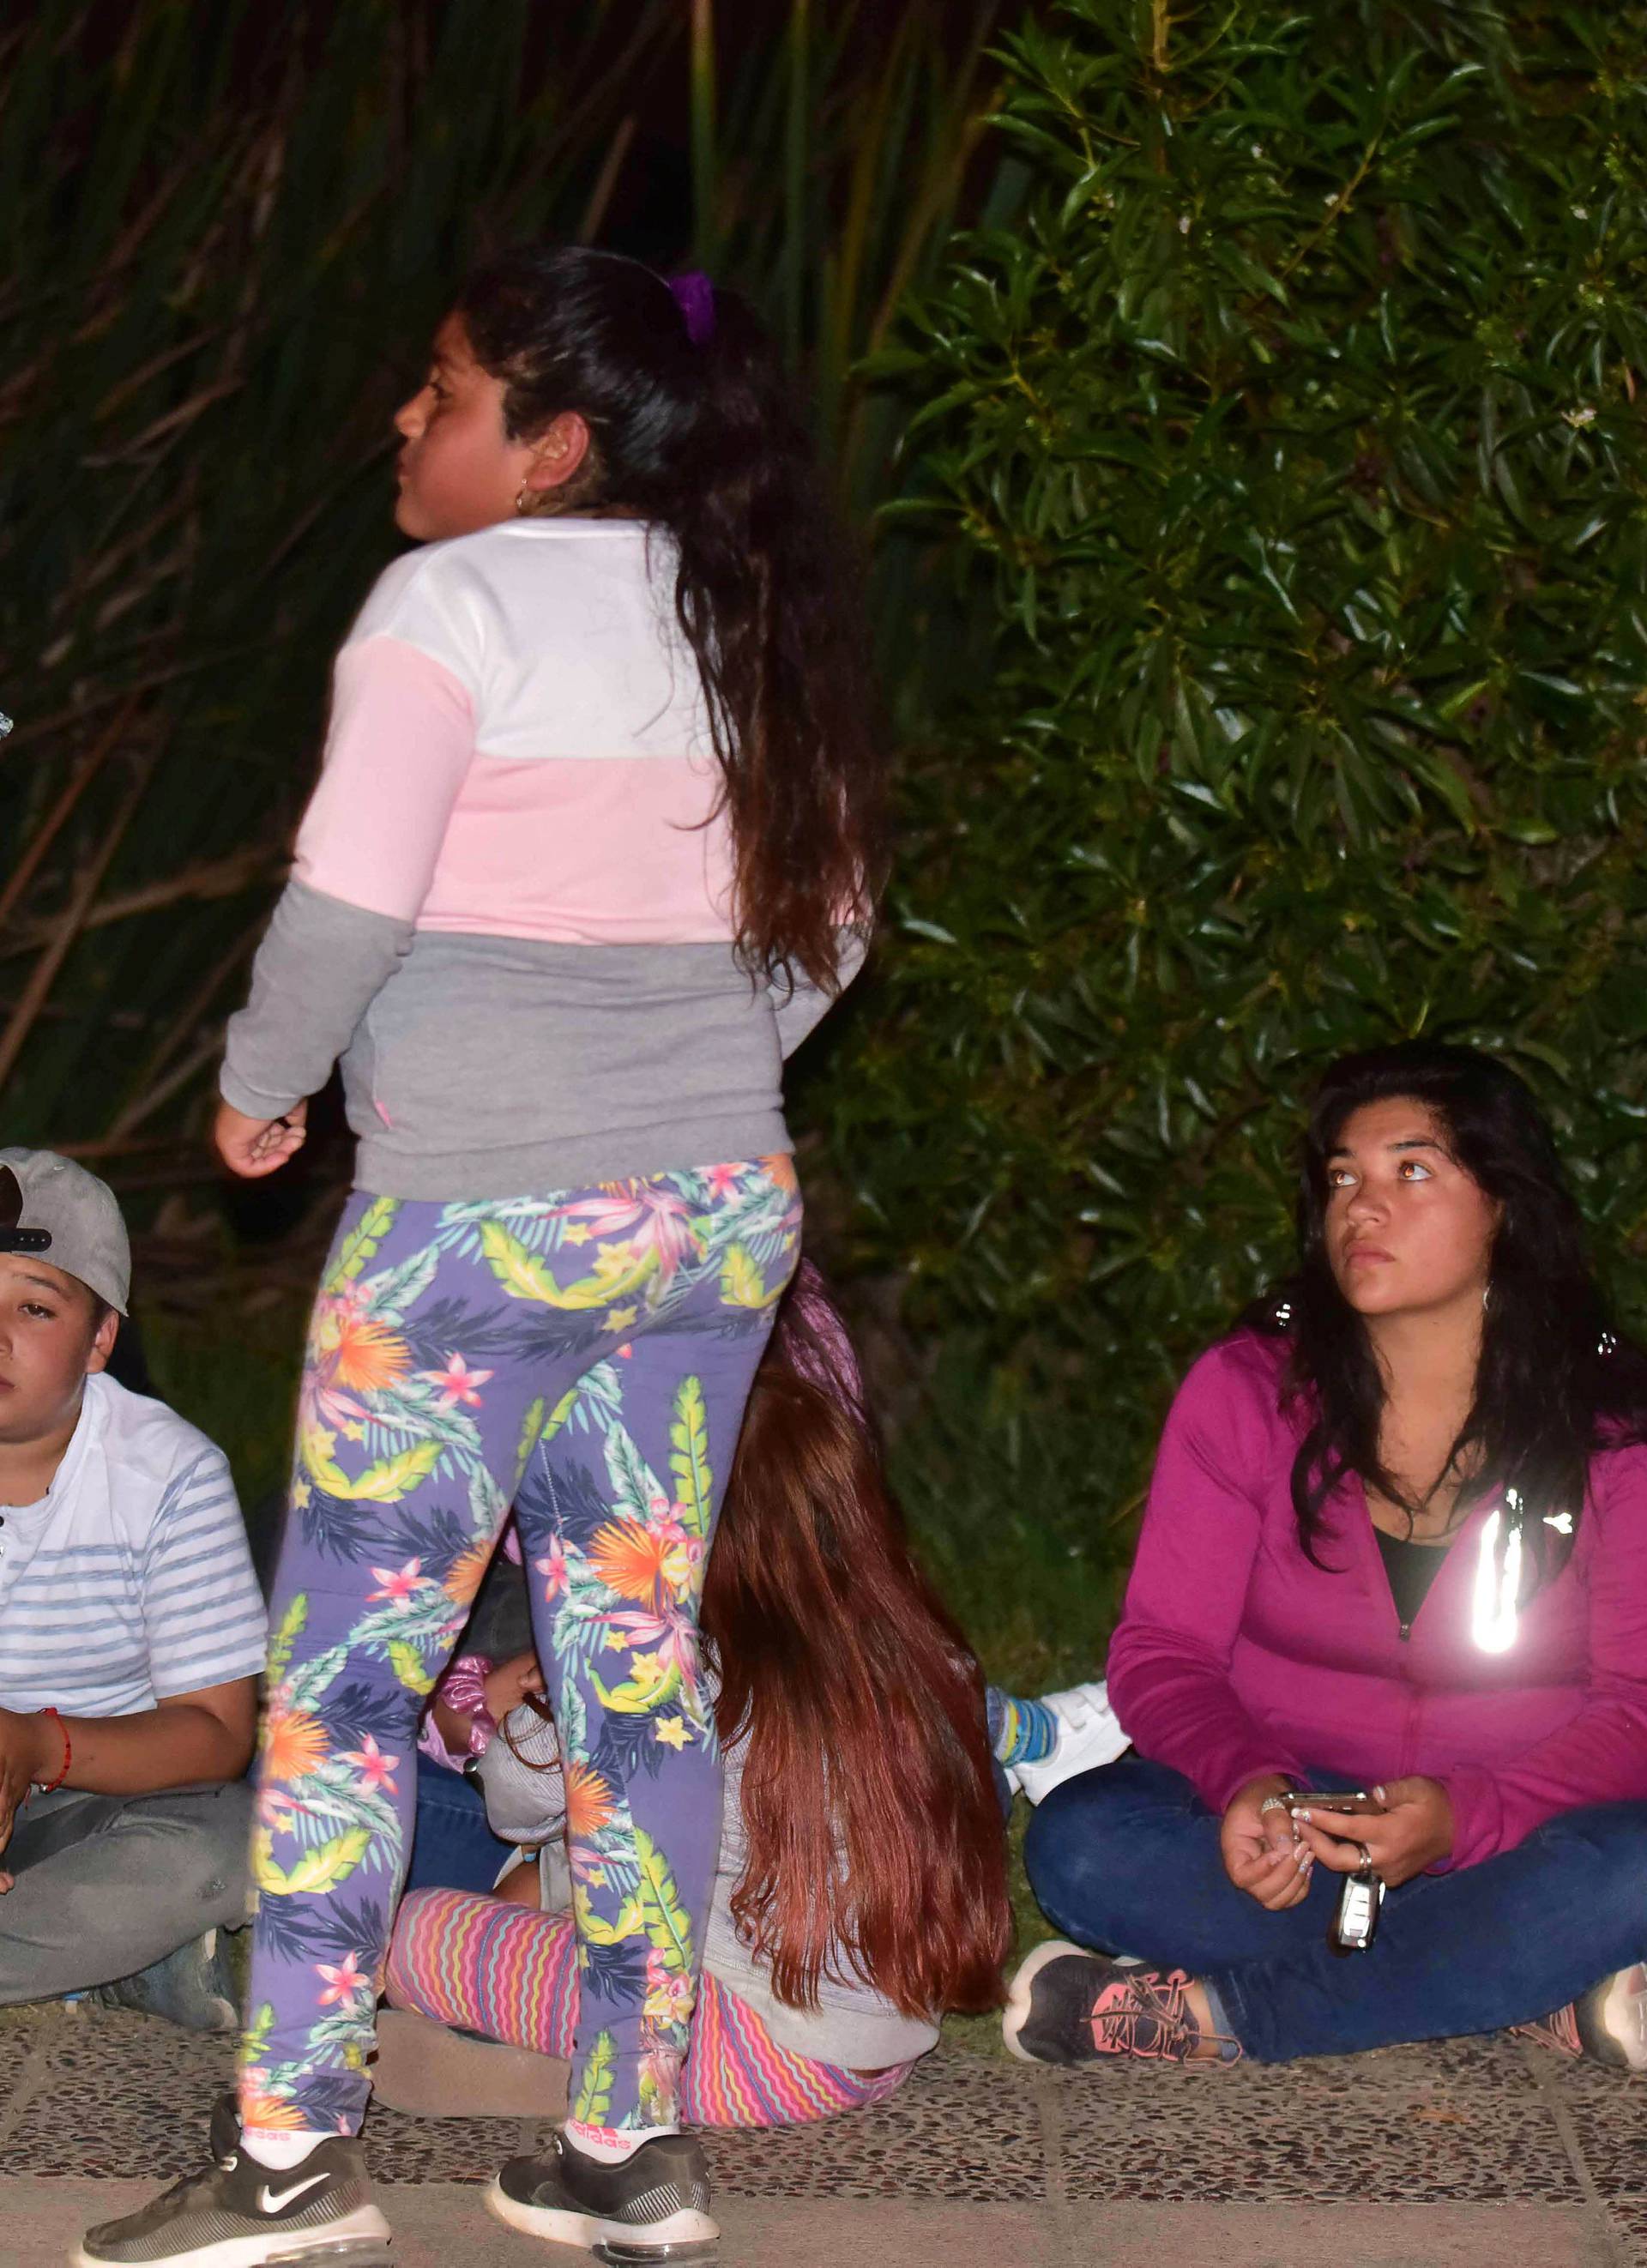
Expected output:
{"points": [[1556, 1378], [696, 430]]}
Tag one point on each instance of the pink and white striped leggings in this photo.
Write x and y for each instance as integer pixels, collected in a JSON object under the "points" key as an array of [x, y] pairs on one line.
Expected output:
{"points": [[511, 1973]]}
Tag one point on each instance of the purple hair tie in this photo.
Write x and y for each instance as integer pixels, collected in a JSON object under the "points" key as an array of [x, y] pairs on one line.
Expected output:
{"points": [[694, 295]]}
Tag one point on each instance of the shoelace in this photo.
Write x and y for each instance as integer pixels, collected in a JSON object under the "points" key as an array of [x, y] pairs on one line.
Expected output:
{"points": [[1147, 2014], [1558, 2030], [183, 2189]]}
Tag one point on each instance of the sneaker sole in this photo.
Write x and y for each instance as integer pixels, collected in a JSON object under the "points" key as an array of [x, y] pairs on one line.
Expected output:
{"points": [[362, 2240], [683, 2236], [1615, 2034], [214, 2020], [1015, 2015], [1038, 1781]]}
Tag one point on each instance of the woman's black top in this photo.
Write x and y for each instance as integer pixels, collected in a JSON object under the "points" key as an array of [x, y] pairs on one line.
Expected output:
{"points": [[1412, 1568]]}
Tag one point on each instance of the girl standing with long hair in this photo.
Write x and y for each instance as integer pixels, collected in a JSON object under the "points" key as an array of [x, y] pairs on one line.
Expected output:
{"points": [[595, 843], [1396, 1549]]}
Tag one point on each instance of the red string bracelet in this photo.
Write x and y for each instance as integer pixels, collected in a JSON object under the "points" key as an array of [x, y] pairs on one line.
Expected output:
{"points": [[45, 1787]]}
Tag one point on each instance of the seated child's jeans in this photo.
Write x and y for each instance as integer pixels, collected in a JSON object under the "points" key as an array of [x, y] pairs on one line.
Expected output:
{"points": [[453, 1846], [106, 1884]]}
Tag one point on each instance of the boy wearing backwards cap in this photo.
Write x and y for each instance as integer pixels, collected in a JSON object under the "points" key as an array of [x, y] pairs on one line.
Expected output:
{"points": [[131, 1631]]}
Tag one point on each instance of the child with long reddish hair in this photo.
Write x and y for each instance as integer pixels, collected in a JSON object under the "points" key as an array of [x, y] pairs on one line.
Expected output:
{"points": [[860, 1795]]}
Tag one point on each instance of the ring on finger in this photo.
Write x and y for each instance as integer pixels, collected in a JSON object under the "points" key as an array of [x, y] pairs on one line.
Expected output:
{"points": [[1367, 1855]]}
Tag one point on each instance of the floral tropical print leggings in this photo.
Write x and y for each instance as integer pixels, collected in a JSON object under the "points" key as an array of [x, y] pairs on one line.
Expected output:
{"points": [[585, 1355]]}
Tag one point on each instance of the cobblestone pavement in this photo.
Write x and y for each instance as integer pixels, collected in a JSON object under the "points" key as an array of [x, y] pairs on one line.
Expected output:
{"points": [[1488, 2152]]}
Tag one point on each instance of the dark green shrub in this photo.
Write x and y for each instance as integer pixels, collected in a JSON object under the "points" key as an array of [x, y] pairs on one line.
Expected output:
{"points": [[1291, 457]]}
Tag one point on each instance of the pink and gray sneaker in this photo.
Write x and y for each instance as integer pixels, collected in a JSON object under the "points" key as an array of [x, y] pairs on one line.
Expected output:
{"points": [[1608, 2023], [1068, 2006]]}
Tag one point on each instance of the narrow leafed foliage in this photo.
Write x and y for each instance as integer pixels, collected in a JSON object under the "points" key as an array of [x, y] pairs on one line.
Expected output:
{"points": [[228, 234], [1293, 456]]}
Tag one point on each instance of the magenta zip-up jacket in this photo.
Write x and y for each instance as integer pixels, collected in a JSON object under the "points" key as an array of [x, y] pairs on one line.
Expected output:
{"points": [[1235, 1656]]}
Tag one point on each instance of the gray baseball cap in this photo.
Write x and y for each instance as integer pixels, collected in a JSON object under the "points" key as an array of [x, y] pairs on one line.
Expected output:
{"points": [[68, 1217]]}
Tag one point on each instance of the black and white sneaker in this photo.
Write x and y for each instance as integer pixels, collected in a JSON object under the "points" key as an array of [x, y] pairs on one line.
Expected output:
{"points": [[242, 2214], [651, 2208]]}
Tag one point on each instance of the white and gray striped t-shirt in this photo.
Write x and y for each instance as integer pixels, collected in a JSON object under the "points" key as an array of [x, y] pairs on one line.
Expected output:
{"points": [[130, 1579]]}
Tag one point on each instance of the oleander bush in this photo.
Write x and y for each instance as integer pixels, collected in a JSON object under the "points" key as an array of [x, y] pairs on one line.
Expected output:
{"points": [[1290, 460]]}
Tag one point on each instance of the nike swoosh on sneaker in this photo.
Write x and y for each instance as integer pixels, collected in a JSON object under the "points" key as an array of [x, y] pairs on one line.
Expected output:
{"points": [[271, 2201]]}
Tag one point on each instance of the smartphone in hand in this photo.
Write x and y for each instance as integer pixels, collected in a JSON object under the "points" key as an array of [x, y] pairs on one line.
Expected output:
{"points": [[1356, 1922], [1351, 1801]]}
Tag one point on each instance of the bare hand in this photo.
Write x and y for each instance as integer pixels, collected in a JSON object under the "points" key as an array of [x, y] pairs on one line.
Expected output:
{"points": [[253, 1147], [508, 1685], [454, 1726], [20, 1766], [1413, 1831], [1262, 1854]]}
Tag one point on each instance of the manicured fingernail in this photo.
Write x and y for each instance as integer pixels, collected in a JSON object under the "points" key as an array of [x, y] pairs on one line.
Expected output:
{"points": [[1303, 1814], [1306, 1859]]}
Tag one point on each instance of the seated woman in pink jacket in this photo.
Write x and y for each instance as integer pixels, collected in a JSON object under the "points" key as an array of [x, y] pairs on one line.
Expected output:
{"points": [[1396, 1542]]}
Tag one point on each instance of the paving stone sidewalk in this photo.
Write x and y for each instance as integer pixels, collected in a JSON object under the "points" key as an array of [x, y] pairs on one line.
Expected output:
{"points": [[1472, 2154]]}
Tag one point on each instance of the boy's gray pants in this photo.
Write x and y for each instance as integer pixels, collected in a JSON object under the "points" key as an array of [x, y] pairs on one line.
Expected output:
{"points": [[105, 1884]]}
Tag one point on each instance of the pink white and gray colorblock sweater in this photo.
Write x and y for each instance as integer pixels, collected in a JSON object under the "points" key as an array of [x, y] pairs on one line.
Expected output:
{"points": [[509, 911]]}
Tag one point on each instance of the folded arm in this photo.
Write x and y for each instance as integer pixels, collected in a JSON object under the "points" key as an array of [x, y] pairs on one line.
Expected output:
{"points": [[187, 1738], [1169, 1661], [206, 1735]]}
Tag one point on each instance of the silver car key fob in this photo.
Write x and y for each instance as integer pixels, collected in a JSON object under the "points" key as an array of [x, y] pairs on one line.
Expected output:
{"points": [[1356, 1923]]}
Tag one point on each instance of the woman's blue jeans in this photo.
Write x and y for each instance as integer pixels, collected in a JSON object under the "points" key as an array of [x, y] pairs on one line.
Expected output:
{"points": [[1126, 1860], [453, 1846]]}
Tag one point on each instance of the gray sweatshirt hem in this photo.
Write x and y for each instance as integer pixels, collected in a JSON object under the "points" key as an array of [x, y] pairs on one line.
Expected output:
{"points": [[471, 1176], [478, 1065]]}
